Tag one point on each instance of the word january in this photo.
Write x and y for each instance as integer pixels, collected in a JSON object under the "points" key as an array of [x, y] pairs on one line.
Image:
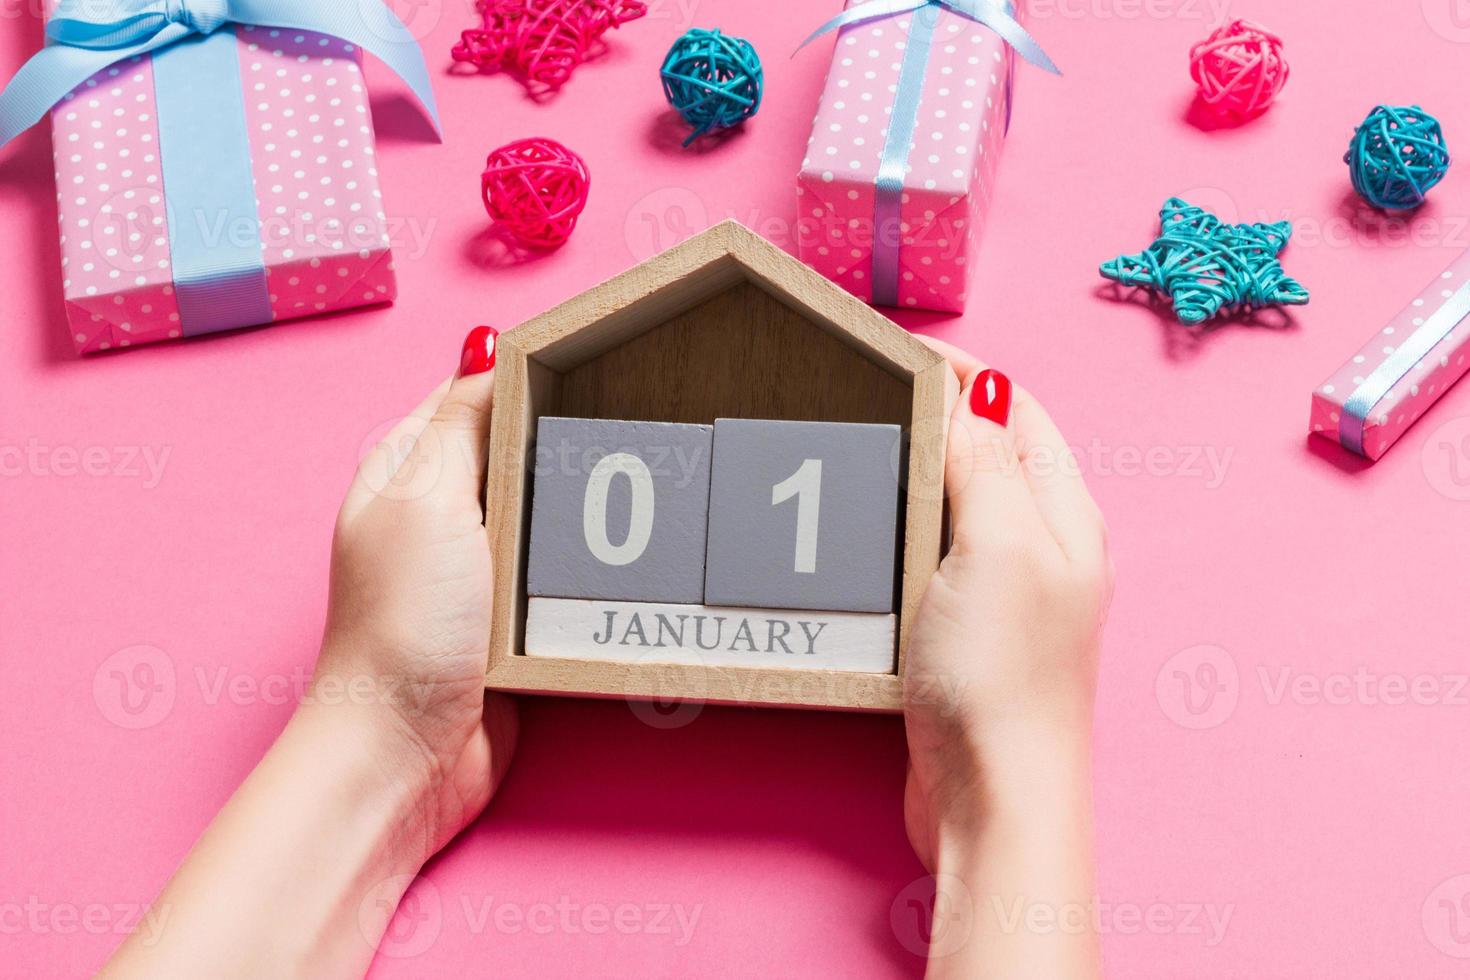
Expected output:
{"points": [[677, 629]]}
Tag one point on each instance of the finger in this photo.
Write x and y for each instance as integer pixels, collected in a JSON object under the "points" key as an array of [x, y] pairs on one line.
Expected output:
{"points": [[1055, 477], [502, 725], [989, 498], [1049, 465], [462, 421], [380, 466]]}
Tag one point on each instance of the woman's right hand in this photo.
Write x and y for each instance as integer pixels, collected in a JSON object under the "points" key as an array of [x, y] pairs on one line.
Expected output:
{"points": [[1000, 677]]}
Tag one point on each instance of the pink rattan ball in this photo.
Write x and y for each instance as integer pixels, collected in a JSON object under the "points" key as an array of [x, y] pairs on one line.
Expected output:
{"points": [[535, 189], [1239, 69]]}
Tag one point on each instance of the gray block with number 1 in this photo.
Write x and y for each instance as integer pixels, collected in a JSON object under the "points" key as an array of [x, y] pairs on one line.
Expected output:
{"points": [[619, 510], [803, 515]]}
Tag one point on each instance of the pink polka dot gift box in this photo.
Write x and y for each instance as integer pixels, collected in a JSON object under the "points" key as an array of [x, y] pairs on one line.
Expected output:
{"points": [[1370, 402], [212, 173], [901, 165]]}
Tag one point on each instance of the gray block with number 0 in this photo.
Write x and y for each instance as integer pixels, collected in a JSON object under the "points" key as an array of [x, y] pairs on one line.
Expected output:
{"points": [[619, 510], [803, 515]]}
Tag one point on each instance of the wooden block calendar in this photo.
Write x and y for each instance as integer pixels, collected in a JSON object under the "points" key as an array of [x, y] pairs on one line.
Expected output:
{"points": [[801, 519], [722, 326]]}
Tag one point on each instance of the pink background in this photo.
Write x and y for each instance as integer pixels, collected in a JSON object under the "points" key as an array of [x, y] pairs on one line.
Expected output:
{"points": [[1330, 827]]}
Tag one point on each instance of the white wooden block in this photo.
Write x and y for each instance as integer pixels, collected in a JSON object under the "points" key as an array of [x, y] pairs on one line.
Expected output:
{"points": [[712, 636]]}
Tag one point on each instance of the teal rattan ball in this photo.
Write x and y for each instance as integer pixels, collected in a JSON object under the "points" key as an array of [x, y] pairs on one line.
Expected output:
{"points": [[713, 79], [1396, 156]]}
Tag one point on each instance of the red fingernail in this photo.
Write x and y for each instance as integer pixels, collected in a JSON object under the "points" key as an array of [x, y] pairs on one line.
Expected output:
{"points": [[478, 354], [991, 396]]}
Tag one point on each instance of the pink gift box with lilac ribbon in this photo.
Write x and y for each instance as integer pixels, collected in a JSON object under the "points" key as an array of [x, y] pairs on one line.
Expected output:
{"points": [[900, 169], [214, 160], [1371, 401]]}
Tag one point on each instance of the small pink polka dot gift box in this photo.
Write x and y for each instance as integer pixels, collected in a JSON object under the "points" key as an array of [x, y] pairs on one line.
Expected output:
{"points": [[212, 174], [1370, 402], [900, 168]]}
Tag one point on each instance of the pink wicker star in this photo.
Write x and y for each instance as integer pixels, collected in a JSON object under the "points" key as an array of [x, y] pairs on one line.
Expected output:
{"points": [[541, 41]]}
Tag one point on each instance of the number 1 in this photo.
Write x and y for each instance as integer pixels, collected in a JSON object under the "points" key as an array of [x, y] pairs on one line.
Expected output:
{"points": [[806, 486]]}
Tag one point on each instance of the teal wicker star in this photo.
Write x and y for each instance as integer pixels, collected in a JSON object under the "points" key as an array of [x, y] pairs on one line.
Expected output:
{"points": [[1208, 267]]}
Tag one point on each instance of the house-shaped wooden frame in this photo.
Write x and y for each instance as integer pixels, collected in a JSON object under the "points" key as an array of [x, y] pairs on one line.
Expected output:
{"points": [[723, 325]]}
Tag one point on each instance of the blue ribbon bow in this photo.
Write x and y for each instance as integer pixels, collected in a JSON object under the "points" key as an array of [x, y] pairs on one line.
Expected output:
{"points": [[994, 14], [86, 36]]}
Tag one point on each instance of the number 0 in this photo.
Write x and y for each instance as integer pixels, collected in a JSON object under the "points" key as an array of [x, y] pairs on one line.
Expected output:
{"points": [[640, 516], [806, 486]]}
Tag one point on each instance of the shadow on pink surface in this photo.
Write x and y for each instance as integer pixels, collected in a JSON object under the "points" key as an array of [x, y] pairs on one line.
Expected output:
{"points": [[667, 132], [1325, 449], [1199, 114], [28, 188], [495, 248], [598, 780], [1181, 341], [398, 119]]}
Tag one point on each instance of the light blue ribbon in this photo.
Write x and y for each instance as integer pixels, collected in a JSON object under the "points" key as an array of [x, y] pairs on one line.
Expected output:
{"points": [[213, 220], [86, 36], [893, 163], [1359, 407], [1000, 17], [214, 228]]}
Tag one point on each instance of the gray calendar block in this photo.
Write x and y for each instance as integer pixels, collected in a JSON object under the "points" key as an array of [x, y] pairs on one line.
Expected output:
{"points": [[619, 510], [803, 515]]}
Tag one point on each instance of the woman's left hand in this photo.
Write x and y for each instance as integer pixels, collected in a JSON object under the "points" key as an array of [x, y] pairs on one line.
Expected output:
{"points": [[408, 621]]}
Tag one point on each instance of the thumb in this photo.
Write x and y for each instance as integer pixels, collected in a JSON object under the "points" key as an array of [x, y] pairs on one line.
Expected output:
{"points": [[462, 420], [983, 476]]}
